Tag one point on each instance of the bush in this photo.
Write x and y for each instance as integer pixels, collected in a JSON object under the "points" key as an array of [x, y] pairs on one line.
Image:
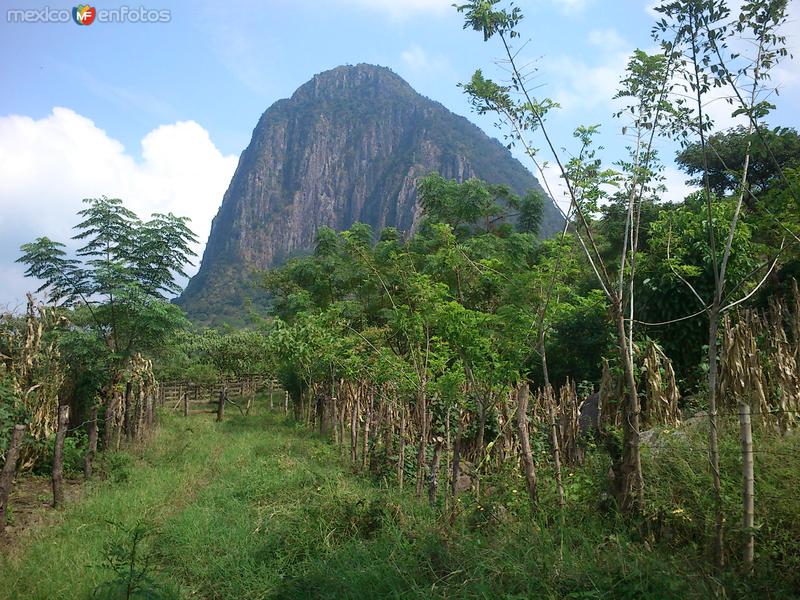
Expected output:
{"points": [[74, 451], [118, 466]]}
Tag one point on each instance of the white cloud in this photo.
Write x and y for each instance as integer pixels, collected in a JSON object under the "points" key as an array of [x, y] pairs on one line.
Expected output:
{"points": [[48, 165], [571, 6], [579, 85], [401, 9], [785, 76], [419, 61], [675, 182], [606, 39], [553, 183]]}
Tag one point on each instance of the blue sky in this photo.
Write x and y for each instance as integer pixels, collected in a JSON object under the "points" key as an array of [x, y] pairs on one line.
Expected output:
{"points": [[158, 113]]}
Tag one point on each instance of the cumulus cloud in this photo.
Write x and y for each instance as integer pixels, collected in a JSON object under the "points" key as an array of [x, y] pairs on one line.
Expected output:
{"points": [[48, 165], [571, 6], [580, 85], [399, 9], [419, 61], [403, 9], [551, 180], [785, 77], [676, 187], [606, 39]]}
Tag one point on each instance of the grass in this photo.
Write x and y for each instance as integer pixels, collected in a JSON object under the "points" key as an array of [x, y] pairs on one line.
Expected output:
{"points": [[257, 508]]}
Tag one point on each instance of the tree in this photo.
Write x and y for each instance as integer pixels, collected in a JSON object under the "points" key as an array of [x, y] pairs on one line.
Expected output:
{"points": [[586, 182], [238, 354], [474, 207], [116, 284], [727, 153], [697, 33]]}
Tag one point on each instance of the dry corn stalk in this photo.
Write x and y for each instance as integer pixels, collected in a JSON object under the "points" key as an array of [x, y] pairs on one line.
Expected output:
{"points": [[33, 367], [661, 406], [608, 405], [782, 375], [742, 377], [568, 428]]}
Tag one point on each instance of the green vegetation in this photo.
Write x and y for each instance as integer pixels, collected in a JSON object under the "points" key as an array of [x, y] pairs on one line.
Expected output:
{"points": [[255, 508], [612, 412], [361, 109]]}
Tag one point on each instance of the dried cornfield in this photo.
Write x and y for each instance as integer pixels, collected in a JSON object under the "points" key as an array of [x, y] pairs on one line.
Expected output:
{"points": [[30, 361]]}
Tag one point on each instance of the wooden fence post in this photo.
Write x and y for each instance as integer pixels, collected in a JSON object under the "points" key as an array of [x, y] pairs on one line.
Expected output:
{"points": [[526, 454], [91, 450], [9, 471], [185, 405], [58, 456], [150, 412]]}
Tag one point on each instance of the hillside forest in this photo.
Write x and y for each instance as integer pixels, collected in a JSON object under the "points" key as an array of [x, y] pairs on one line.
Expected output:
{"points": [[608, 412]]}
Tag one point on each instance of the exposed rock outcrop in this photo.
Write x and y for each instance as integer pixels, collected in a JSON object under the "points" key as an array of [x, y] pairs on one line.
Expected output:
{"points": [[348, 146]]}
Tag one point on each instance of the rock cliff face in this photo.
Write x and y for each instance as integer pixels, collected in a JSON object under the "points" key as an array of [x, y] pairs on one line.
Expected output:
{"points": [[348, 146]]}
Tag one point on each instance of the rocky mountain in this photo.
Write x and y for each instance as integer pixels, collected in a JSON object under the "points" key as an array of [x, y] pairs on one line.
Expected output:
{"points": [[348, 146]]}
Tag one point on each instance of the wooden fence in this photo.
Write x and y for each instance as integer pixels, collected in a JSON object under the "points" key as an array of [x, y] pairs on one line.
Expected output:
{"points": [[184, 393]]}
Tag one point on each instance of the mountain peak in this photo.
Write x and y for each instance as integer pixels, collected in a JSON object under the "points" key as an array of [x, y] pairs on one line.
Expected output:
{"points": [[344, 79], [348, 146]]}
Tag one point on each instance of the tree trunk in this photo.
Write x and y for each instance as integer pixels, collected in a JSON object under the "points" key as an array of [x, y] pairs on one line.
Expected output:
{"points": [[529, 466], [285, 403], [58, 456], [401, 448], [354, 430], [251, 396], [480, 442], [748, 485], [550, 400], [297, 406], [140, 413], [150, 414], [629, 484], [448, 460], [423, 442], [367, 423], [341, 417], [9, 471], [223, 396], [433, 486], [388, 429], [713, 441], [110, 415], [456, 459], [127, 417], [319, 410], [91, 450]]}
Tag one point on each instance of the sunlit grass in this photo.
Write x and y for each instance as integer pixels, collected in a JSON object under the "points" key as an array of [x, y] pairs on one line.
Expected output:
{"points": [[257, 508]]}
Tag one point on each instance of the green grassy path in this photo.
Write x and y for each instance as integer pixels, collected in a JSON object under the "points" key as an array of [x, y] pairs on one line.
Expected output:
{"points": [[243, 509], [256, 507]]}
